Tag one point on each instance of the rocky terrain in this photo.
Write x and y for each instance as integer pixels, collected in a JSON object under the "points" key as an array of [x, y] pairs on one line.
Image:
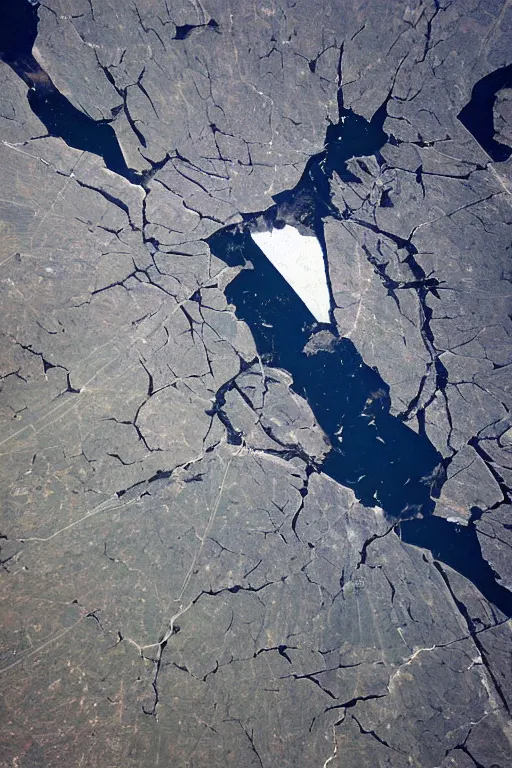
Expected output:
{"points": [[230, 535]]}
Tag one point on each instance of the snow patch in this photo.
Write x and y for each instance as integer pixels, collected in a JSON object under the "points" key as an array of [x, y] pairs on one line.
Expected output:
{"points": [[300, 261]]}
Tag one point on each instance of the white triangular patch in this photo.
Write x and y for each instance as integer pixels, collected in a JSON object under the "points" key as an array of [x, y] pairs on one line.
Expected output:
{"points": [[300, 261]]}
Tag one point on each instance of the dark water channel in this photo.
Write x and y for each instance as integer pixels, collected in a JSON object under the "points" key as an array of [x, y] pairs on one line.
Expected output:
{"points": [[373, 452], [18, 31], [378, 456]]}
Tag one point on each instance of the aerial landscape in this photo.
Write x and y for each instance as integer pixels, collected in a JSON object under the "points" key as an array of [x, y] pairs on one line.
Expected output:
{"points": [[255, 383]]}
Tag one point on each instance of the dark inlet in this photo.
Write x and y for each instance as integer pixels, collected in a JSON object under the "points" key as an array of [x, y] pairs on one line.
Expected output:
{"points": [[373, 452], [18, 31], [477, 116]]}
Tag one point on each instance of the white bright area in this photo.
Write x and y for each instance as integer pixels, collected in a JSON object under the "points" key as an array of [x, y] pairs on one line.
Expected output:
{"points": [[300, 261]]}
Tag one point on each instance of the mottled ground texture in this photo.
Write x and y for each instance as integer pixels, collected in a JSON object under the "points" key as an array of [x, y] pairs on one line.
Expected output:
{"points": [[181, 583]]}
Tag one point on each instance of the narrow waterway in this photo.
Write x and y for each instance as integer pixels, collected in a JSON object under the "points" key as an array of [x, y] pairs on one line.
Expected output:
{"points": [[18, 31], [373, 452]]}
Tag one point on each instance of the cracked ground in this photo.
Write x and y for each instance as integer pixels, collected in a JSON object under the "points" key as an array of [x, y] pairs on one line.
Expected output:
{"points": [[229, 535]]}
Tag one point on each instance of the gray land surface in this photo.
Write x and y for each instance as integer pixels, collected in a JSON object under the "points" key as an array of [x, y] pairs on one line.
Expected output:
{"points": [[169, 598]]}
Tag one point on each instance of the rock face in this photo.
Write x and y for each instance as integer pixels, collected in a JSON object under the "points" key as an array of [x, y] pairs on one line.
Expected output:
{"points": [[230, 535]]}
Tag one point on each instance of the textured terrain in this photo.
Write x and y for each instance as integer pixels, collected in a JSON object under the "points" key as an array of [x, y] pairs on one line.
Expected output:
{"points": [[182, 582]]}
